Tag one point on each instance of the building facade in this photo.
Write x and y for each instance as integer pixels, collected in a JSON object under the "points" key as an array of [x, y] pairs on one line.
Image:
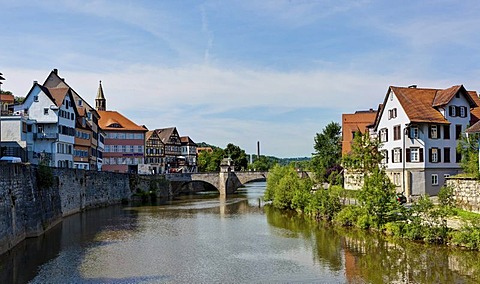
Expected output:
{"points": [[188, 155], [419, 130]]}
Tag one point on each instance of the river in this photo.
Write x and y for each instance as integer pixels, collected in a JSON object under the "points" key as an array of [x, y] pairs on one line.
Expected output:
{"points": [[206, 239]]}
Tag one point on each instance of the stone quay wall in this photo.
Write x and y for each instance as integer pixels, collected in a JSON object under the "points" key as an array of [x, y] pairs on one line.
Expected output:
{"points": [[27, 210], [466, 192]]}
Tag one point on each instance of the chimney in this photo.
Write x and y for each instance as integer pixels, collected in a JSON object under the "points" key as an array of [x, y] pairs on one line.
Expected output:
{"points": [[55, 71], [258, 149]]}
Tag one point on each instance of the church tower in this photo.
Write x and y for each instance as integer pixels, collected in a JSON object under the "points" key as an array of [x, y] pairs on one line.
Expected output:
{"points": [[100, 101]]}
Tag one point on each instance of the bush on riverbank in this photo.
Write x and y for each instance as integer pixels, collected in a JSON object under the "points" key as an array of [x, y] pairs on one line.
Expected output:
{"points": [[377, 209]]}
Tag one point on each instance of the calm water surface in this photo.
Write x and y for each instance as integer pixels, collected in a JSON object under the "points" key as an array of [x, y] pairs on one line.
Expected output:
{"points": [[206, 239]]}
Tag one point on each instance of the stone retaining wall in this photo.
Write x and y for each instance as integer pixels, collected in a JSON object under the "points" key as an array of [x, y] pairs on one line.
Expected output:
{"points": [[466, 192], [28, 211]]}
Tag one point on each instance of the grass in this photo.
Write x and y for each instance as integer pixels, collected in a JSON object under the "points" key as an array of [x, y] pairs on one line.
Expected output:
{"points": [[467, 215]]}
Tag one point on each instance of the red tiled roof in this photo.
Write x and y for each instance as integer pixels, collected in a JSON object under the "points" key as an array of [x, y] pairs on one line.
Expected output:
{"points": [[7, 98], [109, 118]]}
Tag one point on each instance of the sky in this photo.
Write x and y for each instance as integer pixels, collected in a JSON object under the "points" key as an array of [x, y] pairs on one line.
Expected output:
{"points": [[226, 71]]}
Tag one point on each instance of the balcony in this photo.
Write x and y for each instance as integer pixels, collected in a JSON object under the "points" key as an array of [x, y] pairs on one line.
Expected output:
{"points": [[43, 135]]}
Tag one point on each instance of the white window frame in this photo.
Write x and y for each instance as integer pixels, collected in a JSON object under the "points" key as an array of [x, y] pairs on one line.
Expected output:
{"points": [[415, 155], [383, 135], [397, 155], [434, 157], [463, 112]]}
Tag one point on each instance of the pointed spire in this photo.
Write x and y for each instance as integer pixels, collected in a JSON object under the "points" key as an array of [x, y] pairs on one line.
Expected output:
{"points": [[100, 101], [100, 91]]}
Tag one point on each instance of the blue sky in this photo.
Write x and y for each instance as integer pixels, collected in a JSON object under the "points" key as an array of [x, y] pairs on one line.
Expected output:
{"points": [[241, 71]]}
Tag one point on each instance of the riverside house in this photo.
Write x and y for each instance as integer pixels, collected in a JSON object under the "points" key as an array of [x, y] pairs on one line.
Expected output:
{"points": [[419, 129]]}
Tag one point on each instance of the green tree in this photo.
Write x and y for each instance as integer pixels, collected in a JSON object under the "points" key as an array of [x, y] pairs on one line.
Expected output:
{"points": [[238, 155], [377, 196], [328, 151], [468, 148], [210, 162], [262, 163]]}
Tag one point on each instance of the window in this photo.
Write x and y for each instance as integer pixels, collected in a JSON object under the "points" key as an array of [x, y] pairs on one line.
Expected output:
{"points": [[463, 111], [446, 132], [396, 179], [458, 131], [413, 131], [385, 157], [452, 111], [383, 135], [434, 179], [396, 132], [414, 155], [397, 155], [433, 132], [446, 176], [446, 155], [434, 155], [45, 111], [79, 102], [392, 113]]}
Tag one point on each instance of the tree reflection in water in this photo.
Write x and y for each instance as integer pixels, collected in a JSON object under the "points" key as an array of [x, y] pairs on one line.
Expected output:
{"points": [[373, 258]]}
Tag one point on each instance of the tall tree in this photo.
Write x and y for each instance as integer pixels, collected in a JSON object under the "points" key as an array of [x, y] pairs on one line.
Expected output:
{"points": [[328, 152]]}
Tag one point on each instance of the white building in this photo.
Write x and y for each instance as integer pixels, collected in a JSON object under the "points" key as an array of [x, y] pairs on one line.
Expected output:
{"points": [[17, 136], [419, 130], [54, 130]]}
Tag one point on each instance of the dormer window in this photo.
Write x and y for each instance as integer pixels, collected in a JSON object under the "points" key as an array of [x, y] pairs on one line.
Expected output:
{"points": [[115, 125]]}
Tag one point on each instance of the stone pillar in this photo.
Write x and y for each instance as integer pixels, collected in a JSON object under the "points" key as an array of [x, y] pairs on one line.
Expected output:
{"points": [[222, 183]]}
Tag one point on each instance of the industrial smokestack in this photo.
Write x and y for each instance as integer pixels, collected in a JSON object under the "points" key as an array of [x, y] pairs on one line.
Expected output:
{"points": [[258, 149]]}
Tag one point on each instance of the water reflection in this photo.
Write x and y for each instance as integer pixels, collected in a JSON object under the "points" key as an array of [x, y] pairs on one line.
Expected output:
{"points": [[372, 258], [205, 238]]}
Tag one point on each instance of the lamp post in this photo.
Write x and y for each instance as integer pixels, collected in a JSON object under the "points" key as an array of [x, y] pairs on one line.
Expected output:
{"points": [[1, 110]]}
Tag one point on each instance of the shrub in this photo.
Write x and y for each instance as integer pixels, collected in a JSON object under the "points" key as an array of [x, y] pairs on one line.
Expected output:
{"points": [[348, 216]]}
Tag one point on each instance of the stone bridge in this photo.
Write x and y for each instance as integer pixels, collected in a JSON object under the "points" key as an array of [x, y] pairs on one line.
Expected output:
{"points": [[225, 182]]}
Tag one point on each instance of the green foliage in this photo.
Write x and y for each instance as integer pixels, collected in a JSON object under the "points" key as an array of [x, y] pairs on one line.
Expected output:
{"points": [[45, 178], [328, 151], [468, 236], [364, 156], [446, 197], [210, 162], [238, 156], [262, 163], [378, 198], [348, 216], [324, 204], [468, 148]]}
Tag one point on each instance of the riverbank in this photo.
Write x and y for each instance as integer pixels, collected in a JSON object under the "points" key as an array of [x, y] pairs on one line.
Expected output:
{"points": [[377, 209], [34, 199]]}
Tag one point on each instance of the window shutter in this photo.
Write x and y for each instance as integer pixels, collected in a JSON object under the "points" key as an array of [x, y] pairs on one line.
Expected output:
{"points": [[439, 155], [421, 154], [457, 111], [409, 132], [450, 110], [400, 155], [386, 135], [446, 154], [407, 155], [386, 156], [393, 156], [430, 131], [446, 132], [464, 111], [430, 155]]}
